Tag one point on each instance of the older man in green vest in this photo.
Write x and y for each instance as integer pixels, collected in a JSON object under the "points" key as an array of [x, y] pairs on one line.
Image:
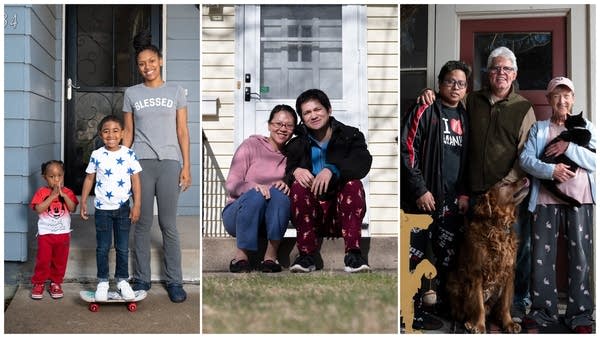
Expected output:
{"points": [[499, 120]]}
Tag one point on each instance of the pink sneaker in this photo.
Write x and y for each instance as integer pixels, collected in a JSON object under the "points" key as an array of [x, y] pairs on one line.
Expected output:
{"points": [[37, 291], [55, 290]]}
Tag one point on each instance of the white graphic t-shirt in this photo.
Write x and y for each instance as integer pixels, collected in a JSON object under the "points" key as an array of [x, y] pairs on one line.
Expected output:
{"points": [[113, 171], [56, 219]]}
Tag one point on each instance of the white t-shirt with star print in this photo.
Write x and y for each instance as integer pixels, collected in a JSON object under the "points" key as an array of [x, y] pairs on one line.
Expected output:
{"points": [[113, 171]]}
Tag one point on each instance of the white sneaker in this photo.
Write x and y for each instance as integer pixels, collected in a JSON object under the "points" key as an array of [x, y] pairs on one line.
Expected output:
{"points": [[101, 292], [126, 290]]}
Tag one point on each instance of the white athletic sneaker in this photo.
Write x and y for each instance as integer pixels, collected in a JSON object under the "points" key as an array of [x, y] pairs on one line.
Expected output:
{"points": [[101, 292], [126, 291]]}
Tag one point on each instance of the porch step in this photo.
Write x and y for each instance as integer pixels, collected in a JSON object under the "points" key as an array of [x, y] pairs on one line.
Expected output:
{"points": [[82, 254], [381, 253]]}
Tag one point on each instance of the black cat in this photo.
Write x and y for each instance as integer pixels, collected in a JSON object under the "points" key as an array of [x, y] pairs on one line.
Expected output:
{"points": [[577, 134]]}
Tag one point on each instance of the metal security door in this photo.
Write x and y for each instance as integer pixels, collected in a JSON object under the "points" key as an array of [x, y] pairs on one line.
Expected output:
{"points": [[100, 64]]}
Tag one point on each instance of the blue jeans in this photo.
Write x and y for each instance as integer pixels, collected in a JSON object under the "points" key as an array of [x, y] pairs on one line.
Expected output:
{"points": [[251, 213], [109, 222]]}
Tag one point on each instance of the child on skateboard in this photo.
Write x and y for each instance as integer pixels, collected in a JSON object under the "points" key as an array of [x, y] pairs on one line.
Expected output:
{"points": [[115, 169], [53, 203]]}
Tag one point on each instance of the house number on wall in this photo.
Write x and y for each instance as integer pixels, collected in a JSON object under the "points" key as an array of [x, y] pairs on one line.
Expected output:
{"points": [[10, 22]]}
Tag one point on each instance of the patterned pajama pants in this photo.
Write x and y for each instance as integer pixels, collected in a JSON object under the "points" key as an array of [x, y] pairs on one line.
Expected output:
{"points": [[577, 224], [339, 217]]}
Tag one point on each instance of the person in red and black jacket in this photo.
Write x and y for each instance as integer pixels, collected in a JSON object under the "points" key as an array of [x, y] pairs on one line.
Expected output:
{"points": [[433, 161]]}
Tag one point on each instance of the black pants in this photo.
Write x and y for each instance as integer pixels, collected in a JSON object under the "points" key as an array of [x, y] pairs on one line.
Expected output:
{"points": [[444, 236]]}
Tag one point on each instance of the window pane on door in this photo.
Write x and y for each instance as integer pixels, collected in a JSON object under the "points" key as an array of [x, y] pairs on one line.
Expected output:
{"points": [[301, 48], [413, 39], [413, 53], [534, 57], [104, 44], [412, 83]]}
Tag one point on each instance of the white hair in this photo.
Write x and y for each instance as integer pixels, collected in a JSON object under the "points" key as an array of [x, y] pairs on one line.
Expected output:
{"points": [[503, 52]]}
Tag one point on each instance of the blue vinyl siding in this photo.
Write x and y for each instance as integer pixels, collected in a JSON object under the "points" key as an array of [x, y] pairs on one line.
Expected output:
{"points": [[31, 114], [183, 67]]}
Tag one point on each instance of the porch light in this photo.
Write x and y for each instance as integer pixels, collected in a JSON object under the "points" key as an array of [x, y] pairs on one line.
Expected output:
{"points": [[215, 12]]}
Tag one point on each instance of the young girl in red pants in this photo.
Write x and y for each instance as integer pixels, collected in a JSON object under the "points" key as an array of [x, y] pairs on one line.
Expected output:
{"points": [[53, 203]]}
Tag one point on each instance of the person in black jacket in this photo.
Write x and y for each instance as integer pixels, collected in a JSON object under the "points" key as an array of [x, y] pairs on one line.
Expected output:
{"points": [[325, 163], [433, 162]]}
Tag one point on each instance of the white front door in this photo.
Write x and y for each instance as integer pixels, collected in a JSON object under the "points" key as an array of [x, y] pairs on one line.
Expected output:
{"points": [[284, 50]]}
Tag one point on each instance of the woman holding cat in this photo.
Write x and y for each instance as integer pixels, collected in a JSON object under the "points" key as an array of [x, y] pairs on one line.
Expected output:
{"points": [[550, 213]]}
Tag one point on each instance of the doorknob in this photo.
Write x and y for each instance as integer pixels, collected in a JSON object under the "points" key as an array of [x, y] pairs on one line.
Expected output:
{"points": [[247, 94], [70, 85]]}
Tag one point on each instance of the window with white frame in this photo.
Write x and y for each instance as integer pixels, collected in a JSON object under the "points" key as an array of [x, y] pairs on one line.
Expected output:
{"points": [[301, 47]]}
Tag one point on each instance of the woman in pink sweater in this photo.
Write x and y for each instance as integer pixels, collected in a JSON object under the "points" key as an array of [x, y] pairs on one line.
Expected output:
{"points": [[258, 200]]}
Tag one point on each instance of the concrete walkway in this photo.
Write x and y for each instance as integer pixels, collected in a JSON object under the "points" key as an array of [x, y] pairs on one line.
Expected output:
{"points": [[155, 314]]}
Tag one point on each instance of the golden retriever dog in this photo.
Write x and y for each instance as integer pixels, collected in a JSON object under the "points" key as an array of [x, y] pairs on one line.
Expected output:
{"points": [[482, 283]]}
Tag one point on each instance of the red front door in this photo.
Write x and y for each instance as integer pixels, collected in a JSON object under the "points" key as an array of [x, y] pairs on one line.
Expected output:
{"points": [[540, 47], [538, 43]]}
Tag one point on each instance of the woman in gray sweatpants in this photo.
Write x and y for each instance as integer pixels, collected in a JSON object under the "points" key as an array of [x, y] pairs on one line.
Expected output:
{"points": [[155, 116]]}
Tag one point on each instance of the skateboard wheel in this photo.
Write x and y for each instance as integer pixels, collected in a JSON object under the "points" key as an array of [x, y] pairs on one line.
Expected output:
{"points": [[131, 307], [94, 307]]}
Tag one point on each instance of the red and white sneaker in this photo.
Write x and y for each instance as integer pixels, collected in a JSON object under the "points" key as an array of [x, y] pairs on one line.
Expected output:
{"points": [[55, 290], [37, 291]]}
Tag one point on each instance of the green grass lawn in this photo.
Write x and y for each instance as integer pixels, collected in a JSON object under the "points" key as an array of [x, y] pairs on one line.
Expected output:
{"points": [[319, 302]]}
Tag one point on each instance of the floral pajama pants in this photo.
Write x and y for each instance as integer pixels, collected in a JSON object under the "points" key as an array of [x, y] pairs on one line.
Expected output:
{"points": [[577, 223], [338, 217]]}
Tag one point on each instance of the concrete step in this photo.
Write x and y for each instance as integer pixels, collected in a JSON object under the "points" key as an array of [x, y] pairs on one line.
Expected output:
{"points": [[82, 254], [381, 253]]}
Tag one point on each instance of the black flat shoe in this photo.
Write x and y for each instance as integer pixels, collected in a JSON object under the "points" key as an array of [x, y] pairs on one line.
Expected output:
{"points": [[270, 266], [239, 266], [176, 293], [137, 285]]}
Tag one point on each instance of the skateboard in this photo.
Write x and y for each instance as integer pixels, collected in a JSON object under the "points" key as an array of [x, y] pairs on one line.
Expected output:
{"points": [[113, 297]]}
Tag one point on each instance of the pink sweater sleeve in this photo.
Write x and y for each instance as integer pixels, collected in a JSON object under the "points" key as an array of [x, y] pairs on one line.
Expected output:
{"points": [[236, 183]]}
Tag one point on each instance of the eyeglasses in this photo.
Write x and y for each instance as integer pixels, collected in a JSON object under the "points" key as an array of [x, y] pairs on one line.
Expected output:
{"points": [[452, 83], [279, 125], [497, 69]]}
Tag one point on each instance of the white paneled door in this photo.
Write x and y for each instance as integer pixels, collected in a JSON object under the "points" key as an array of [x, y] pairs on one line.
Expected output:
{"points": [[284, 50]]}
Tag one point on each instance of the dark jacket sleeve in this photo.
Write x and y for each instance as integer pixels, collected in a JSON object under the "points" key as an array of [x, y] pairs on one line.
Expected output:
{"points": [[295, 151], [461, 188], [411, 154], [351, 157]]}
